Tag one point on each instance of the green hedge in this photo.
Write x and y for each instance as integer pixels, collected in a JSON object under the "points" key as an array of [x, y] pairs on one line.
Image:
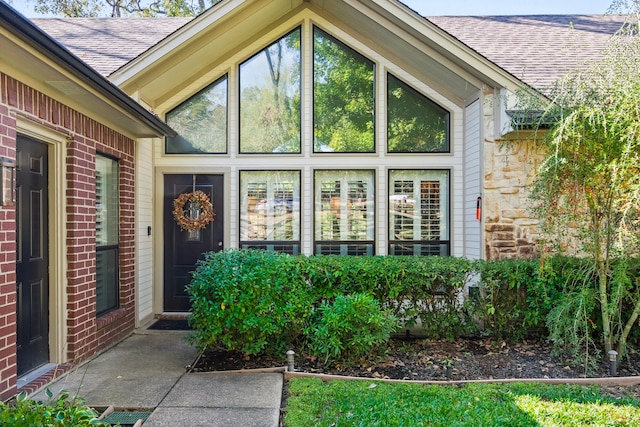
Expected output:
{"points": [[255, 301], [259, 301], [517, 296]]}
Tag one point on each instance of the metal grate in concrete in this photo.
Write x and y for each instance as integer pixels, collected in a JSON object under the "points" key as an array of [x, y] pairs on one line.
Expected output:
{"points": [[125, 417]]}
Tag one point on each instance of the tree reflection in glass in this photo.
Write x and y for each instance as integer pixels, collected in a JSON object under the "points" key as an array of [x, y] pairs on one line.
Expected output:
{"points": [[415, 123], [201, 122], [343, 104], [270, 98]]}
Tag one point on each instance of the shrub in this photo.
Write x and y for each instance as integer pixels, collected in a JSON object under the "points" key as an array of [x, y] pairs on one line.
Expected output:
{"points": [[60, 411], [572, 308], [519, 294], [248, 300], [510, 306], [349, 328], [425, 289], [430, 291]]}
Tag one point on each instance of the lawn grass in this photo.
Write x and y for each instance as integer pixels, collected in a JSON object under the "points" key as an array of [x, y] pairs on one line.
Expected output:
{"points": [[313, 402]]}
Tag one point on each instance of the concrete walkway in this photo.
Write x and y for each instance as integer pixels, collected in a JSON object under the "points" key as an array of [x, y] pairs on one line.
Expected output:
{"points": [[147, 371]]}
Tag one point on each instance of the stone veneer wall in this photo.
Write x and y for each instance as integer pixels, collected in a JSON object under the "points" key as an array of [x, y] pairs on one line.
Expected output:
{"points": [[509, 229], [85, 334]]}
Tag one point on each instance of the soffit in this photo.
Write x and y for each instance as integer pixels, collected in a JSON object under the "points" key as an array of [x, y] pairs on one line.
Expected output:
{"points": [[193, 55], [26, 64], [31, 56]]}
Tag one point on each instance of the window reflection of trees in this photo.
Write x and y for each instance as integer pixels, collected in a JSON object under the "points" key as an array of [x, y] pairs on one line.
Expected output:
{"points": [[415, 123], [343, 84], [270, 98], [201, 122]]}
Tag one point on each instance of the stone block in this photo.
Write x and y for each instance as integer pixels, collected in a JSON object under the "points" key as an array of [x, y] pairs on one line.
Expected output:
{"points": [[503, 244], [515, 213], [490, 228]]}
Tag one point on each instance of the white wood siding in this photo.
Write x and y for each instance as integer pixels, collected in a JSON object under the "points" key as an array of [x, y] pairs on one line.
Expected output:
{"points": [[144, 219], [472, 181]]}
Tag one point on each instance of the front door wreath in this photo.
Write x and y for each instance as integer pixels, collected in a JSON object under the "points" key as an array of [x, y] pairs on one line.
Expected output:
{"points": [[193, 211]]}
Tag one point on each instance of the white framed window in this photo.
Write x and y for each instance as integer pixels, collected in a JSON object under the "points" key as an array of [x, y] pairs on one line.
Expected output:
{"points": [[201, 122], [415, 124], [343, 97], [270, 95]]}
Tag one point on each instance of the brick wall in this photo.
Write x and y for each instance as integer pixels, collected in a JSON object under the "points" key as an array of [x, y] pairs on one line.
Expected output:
{"points": [[8, 368], [86, 334]]}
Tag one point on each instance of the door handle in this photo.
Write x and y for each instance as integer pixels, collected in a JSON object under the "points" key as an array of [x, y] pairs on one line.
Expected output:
{"points": [[220, 244]]}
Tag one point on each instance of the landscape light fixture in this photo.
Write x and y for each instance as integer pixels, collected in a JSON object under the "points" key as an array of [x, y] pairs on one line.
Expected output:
{"points": [[613, 356], [291, 361]]}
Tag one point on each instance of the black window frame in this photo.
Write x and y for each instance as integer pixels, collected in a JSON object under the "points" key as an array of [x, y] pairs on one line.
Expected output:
{"points": [[292, 247], [195, 151], [348, 247], [429, 100], [299, 28], [313, 91], [437, 247]]}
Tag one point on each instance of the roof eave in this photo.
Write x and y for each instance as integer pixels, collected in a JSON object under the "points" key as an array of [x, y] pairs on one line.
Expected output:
{"points": [[49, 48]]}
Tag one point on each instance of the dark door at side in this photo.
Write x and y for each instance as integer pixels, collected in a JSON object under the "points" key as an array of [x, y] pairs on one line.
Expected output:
{"points": [[32, 263], [182, 249]]}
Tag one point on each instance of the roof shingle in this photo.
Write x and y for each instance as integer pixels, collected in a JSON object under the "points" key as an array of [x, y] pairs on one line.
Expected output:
{"points": [[538, 49], [106, 44]]}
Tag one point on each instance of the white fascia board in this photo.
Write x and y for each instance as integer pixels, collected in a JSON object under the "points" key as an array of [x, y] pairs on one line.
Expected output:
{"points": [[191, 30]]}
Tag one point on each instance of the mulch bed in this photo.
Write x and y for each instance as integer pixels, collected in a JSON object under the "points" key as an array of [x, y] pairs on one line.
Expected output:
{"points": [[421, 359]]}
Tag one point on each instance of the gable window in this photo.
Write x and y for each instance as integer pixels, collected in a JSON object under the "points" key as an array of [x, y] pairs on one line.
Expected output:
{"points": [[270, 210], [270, 98], [343, 97], [201, 122], [344, 212], [419, 212], [107, 234], [415, 123]]}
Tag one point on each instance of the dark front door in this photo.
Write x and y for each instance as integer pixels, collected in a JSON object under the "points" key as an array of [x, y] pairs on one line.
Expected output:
{"points": [[182, 249], [32, 262]]}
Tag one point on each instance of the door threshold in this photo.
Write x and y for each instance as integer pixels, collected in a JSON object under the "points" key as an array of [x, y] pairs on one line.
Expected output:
{"points": [[36, 373], [39, 377]]}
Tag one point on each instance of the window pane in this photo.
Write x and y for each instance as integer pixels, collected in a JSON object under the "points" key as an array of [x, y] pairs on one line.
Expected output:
{"points": [[107, 234], [106, 280], [107, 208], [419, 208], [344, 207], [270, 98], [269, 206], [201, 122], [343, 94], [415, 123]]}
